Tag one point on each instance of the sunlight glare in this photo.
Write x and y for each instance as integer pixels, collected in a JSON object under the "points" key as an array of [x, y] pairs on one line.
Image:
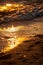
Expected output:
{"points": [[8, 5]]}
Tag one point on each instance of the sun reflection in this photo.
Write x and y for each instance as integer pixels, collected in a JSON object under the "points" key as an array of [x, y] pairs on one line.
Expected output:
{"points": [[4, 7], [11, 29], [13, 42], [9, 5]]}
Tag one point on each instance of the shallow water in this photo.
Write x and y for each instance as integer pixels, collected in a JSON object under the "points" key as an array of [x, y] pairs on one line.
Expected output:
{"points": [[13, 34]]}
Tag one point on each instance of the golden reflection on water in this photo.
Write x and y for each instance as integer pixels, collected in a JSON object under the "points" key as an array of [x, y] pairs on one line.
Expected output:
{"points": [[12, 43], [11, 7], [8, 41], [11, 29]]}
